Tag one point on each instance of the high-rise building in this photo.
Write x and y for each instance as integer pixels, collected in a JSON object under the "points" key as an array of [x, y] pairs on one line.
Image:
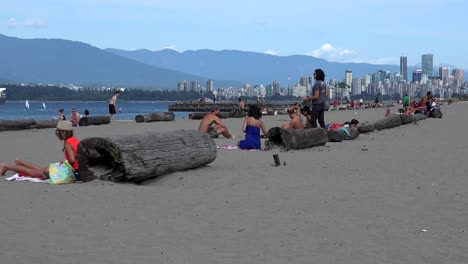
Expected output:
{"points": [[356, 86], [404, 67], [348, 77], [417, 75], [210, 85], [276, 88], [427, 64], [444, 73], [459, 74], [303, 81]]}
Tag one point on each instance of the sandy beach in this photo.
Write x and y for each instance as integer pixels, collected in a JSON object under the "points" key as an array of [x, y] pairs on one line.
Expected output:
{"points": [[394, 196]]}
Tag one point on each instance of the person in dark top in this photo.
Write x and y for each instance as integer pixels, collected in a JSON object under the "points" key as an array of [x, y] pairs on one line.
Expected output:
{"points": [[318, 98], [429, 100]]}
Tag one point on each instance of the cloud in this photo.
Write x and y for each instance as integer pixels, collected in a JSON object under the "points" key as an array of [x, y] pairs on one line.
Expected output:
{"points": [[171, 47], [328, 52], [272, 52], [29, 23]]}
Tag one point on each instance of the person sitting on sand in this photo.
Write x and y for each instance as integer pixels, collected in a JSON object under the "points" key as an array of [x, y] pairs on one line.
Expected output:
{"points": [[75, 117], [212, 125], [387, 113], [251, 127], [307, 112], [64, 132], [296, 121], [61, 116]]}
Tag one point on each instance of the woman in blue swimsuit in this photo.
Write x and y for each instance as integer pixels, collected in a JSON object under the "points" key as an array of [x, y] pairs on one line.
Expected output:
{"points": [[251, 127]]}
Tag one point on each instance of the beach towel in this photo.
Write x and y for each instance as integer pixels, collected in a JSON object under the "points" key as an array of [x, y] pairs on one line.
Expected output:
{"points": [[227, 147], [17, 177]]}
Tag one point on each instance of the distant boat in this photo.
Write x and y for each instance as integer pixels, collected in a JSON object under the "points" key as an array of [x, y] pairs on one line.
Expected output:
{"points": [[26, 105], [43, 106]]}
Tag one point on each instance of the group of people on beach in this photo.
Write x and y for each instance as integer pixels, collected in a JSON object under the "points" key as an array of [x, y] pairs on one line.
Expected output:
{"points": [[253, 124], [74, 118]]}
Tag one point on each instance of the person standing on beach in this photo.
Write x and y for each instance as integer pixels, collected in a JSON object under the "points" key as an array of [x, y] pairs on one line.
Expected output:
{"points": [[212, 125], [241, 104], [318, 98], [61, 116], [113, 107], [75, 117]]}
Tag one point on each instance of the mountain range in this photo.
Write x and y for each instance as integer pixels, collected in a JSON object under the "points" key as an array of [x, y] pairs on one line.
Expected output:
{"points": [[58, 61]]}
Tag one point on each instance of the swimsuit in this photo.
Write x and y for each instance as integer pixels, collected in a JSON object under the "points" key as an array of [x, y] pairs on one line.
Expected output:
{"points": [[213, 133]]}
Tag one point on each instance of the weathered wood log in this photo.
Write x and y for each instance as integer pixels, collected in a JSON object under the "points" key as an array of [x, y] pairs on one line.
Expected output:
{"points": [[390, 121], [139, 157], [45, 124], [365, 128], [155, 117], [407, 119], [419, 117], [237, 113], [296, 138], [435, 113], [6, 125], [338, 135], [94, 120], [201, 115]]}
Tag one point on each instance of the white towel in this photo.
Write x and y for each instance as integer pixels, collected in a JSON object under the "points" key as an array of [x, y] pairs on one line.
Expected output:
{"points": [[25, 178]]}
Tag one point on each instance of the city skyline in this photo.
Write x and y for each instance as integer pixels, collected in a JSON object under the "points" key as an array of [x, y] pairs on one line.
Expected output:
{"points": [[361, 31]]}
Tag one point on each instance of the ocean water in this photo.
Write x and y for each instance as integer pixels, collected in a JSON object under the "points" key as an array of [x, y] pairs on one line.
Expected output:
{"points": [[13, 110]]}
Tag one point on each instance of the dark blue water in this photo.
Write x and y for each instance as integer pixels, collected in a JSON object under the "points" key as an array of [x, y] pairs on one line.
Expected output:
{"points": [[16, 109]]}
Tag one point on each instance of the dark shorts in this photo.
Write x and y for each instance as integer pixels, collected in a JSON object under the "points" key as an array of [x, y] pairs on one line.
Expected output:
{"points": [[112, 109], [213, 133]]}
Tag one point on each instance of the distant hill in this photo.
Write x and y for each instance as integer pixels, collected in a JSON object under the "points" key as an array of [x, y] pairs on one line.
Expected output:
{"points": [[63, 62], [249, 67]]}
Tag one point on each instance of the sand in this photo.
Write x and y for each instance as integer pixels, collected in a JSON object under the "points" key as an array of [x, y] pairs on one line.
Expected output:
{"points": [[404, 200]]}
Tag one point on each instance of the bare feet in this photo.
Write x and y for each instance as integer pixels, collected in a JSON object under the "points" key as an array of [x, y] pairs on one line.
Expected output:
{"points": [[3, 169]]}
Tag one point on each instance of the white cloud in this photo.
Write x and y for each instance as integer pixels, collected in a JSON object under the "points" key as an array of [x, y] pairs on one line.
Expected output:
{"points": [[172, 47], [328, 52], [272, 52], [29, 23]]}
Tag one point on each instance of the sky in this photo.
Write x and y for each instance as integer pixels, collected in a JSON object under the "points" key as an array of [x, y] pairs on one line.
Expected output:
{"points": [[369, 31]]}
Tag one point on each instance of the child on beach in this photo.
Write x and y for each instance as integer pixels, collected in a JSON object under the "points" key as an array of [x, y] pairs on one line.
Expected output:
{"points": [[64, 132]]}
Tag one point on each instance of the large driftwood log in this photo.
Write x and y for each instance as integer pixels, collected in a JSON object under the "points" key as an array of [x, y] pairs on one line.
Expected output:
{"points": [[154, 117], [365, 128], [45, 124], [237, 113], [296, 138], [390, 121], [6, 125], [136, 158], [201, 115], [407, 119], [419, 117], [94, 120], [435, 113], [338, 135]]}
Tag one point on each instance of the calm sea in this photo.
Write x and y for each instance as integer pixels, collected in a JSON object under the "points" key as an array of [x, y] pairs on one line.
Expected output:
{"points": [[16, 109]]}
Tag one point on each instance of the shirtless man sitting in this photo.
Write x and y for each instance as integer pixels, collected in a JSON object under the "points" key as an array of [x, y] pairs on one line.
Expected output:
{"points": [[295, 115], [212, 124]]}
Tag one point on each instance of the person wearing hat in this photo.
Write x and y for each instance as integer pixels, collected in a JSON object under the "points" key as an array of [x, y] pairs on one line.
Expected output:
{"points": [[212, 125], [64, 132]]}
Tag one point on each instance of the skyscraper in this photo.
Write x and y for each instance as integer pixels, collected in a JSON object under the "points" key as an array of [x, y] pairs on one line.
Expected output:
{"points": [[427, 64], [459, 74], [210, 85], [404, 67], [349, 77]]}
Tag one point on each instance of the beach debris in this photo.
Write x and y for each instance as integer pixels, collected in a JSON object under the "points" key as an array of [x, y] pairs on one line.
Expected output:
{"points": [[297, 138], [364, 148], [277, 160], [284, 163], [423, 230], [155, 117]]}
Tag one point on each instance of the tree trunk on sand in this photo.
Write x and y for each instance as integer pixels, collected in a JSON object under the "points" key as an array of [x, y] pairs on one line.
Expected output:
{"points": [[237, 113], [390, 121], [407, 119], [297, 138], [46, 124], [136, 158], [94, 120], [6, 125], [201, 115], [154, 117], [338, 135], [435, 113], [419, 117], [365, 128]]}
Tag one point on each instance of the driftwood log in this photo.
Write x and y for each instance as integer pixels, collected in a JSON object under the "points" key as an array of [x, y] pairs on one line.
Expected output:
{"points": [[6, 125], [237, 113], [201, 115], [365, 128], [45, 124], [338, 135], [155, 117], [94, 120], [435, 113], [390, 121], [296, 138], [136, 158], [407, 119], [419, 117]]}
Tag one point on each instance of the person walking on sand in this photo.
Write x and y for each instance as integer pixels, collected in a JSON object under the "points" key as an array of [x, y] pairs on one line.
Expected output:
{"points": [[212, 125], [64, 132], [318, 98], [113, 107]]}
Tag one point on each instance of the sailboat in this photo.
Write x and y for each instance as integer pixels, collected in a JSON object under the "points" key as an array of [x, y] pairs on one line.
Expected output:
{"points": [[43, 106], [26, 104]]}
